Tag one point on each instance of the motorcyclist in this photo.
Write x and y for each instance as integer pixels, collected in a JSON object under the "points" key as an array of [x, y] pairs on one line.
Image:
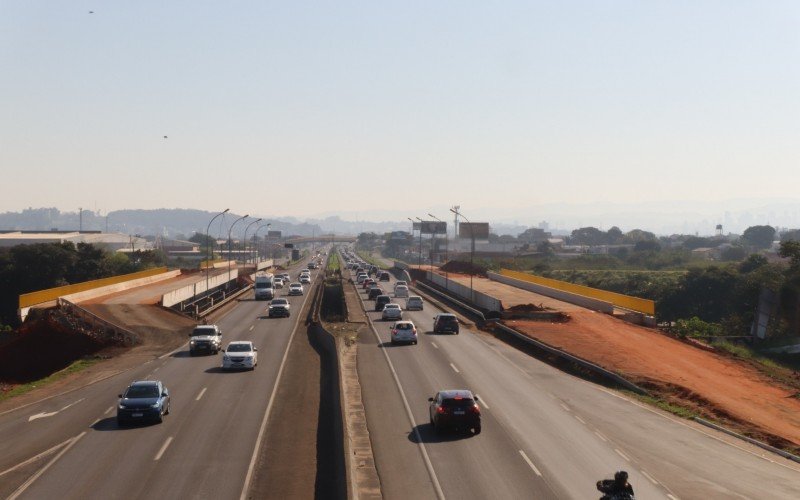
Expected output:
{"points": [[616, 489]]}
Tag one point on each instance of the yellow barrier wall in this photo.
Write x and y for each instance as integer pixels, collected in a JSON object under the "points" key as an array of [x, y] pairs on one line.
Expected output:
{"points": [[33, 298], [625, 301]]}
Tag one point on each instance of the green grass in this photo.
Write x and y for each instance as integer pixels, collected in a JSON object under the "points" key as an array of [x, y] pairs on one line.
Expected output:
{"points": [[334, 263], [676, 410], [75, 367]]}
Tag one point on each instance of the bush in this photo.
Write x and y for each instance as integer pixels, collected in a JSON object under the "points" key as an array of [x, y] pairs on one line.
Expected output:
{"points": [[696, 327]]}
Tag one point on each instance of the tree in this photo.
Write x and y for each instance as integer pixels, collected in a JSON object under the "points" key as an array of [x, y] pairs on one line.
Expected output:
{"points": [[753, 262], [793, 234], [637, 235], [204, 240], [791, 250], [588, 236], [733, 253], [614, 235], [759, 236], [646, 246]]}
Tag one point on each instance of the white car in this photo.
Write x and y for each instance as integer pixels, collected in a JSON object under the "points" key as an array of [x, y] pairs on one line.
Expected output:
{"points": [[361, 277], [305, 279], [277, 282], [400, 282], [296, 289], [241, 355], [392, 311], [414, 303], [404, 331], [401, 291]]}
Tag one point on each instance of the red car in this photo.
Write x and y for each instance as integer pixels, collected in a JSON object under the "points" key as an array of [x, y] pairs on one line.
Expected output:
{"points": [[366, 282]]}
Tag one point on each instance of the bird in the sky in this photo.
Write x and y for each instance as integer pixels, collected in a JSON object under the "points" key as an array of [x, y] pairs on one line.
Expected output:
{"points": [[165, 137], [91, 12]]}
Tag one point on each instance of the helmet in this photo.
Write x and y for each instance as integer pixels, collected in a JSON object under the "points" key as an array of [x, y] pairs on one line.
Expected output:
{"points": [[621, 477]]}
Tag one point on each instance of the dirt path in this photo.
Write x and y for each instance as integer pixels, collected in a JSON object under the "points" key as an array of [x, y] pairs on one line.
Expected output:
{"points": [[715, 385]]}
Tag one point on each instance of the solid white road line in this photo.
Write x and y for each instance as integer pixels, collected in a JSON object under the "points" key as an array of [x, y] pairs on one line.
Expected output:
{"points": [[27, 484], [579, 419], [622, 454], [530, 464], [201, 394], [454, 368], [648, 476], [95, 422], [35, 458], [434, 345], [163, 449], [108, 411], [254, 457], [482, 401]]}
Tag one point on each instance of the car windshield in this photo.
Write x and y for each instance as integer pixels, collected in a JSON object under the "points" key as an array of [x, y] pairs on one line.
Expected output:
{"points": [[142, 391], [279, 302], [392, 306], [202, 331], [239, 348]]}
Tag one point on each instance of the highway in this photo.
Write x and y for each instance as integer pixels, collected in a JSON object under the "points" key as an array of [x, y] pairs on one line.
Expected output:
{"points": [[203, 449], [546, 434]]}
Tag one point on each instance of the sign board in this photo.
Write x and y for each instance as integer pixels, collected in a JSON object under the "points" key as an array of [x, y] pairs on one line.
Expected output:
{"points": [[433, 227], [415, 226], [477, 230], [273, 234]]}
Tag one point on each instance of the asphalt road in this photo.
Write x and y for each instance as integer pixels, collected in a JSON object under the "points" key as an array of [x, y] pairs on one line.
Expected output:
{"points": [[546, 434], [203, 449]]}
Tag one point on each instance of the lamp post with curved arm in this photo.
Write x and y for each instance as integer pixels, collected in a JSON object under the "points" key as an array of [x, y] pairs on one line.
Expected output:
{"points": [[244, 239], [471, 253], [255, 239], [419, 262], [229, 245], [208, 243]]}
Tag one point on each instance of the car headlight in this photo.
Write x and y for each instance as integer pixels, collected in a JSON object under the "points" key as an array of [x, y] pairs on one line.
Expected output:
{"points": [[225, 358], [155, 405], [191, 342], [121, 406]]}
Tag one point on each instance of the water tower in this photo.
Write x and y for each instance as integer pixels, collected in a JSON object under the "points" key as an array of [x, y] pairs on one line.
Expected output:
{"points": [[719, 230]]}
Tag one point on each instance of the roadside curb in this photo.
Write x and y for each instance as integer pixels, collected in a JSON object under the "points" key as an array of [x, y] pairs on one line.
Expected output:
{"points": [[765, 446]]}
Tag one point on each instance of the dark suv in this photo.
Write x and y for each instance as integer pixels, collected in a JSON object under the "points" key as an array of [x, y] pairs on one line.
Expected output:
{"points": [[143, 400], [445, 323], [455, 409], [374, 292], [384, 276], [380, 301]]}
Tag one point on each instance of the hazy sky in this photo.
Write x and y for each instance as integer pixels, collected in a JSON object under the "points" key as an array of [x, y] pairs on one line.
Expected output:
{"points": [[301, 108]]}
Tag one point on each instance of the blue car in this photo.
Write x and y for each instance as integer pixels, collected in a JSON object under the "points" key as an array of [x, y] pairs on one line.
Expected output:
{"points": [[143, 401]]}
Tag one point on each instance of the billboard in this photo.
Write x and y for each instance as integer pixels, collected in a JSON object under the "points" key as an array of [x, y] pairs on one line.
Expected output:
{"points": [[477, 230], [273, 234], [433, 227], [415, 226]]}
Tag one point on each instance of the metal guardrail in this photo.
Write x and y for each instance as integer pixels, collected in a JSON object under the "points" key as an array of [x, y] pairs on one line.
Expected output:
{"points": [[784, 454], [128, 337], [451, 299]]}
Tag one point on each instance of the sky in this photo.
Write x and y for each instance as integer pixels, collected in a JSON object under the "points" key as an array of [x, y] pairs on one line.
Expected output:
{"points": [[318, 108]]}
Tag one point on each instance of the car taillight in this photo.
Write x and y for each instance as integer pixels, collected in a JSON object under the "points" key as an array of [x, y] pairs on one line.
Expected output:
{"points": [[441, 410], [476, 409], [415, 331]]}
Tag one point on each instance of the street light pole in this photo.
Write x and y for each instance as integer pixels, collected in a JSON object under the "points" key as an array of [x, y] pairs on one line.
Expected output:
{"points": [[208, 244], [244, 239], [446, 282], [255, 238], [230, 229], [412, 234], [471, 253], [419, 262]]}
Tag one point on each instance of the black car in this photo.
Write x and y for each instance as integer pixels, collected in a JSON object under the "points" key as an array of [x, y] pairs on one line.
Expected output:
{"points": [[142, 401], [380, 301], [374, 292], [384, 276], [455, 409], [445, 323]]}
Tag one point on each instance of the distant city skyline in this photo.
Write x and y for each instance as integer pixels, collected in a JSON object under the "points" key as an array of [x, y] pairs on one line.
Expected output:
{"points": [[514, 108]]}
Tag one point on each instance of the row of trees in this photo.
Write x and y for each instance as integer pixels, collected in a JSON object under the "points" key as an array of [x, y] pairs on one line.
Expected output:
{"points": [[28, 268]]}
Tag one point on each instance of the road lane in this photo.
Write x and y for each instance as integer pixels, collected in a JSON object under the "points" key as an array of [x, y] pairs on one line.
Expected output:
{"points": [[203, 447]]}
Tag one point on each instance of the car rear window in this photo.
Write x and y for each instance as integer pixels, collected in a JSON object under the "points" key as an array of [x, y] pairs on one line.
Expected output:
{"points": [[448, 319], [405, 326], [458, 403]]}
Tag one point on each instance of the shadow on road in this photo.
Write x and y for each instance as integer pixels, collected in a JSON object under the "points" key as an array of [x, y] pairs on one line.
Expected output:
{"points": [[181, 354], [110, 424], [427, 434]]}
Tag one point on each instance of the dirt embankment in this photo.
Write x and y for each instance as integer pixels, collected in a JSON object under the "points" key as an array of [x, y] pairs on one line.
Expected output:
{"points": [[712, 384]]}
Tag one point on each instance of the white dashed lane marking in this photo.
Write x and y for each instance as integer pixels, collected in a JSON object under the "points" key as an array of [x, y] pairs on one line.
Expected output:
{"points": [[622, 454], [201, 394], [163, 449], [454, 368], [530, 464]]}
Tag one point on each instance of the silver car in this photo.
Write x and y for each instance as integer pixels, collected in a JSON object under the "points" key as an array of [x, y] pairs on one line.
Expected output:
{"points": [[392, 311], [404, 331], [414, 303], [295, 289], [401, 291]]}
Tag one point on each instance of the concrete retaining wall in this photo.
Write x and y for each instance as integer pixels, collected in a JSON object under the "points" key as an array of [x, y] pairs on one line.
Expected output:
{"points": [[184, 293], [479, 299], [578, 300], [264, 264]]}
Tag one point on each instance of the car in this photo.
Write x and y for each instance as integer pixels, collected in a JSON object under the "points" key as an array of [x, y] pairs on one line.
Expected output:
{"points": [[381, 301], [455, 409], [296, 289], [404, 331], [361, 277], [277, 282], [312, 265], [305, 271], [400, 282], [206, 339], [384, 276], [414, 303], [366, 282], [285, 277], [445, 323], [305, 279], [279, 308], [143, 400], [374, 292], [240, 355], [391, 311], [401, 291]]}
